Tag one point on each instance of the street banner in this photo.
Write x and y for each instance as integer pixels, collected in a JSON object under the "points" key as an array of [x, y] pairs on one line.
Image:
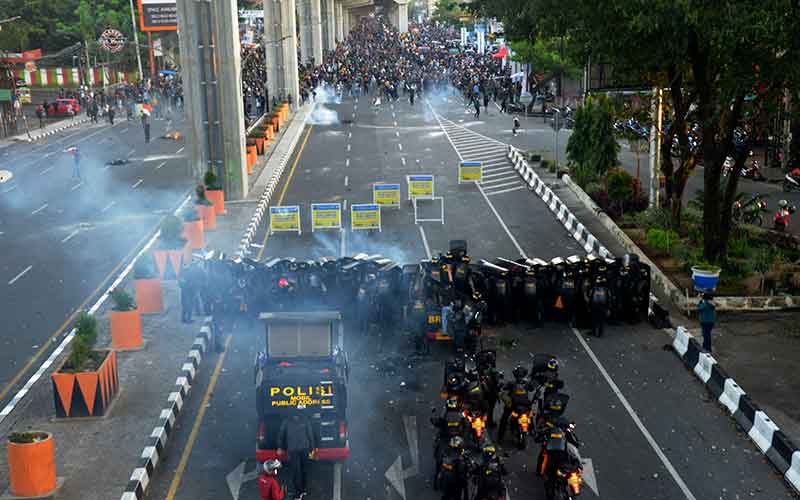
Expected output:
{"points": [[386, 195], [326, 216], [420, 186], [470, 171], [158, 15], [365, 216], [284, 218]]}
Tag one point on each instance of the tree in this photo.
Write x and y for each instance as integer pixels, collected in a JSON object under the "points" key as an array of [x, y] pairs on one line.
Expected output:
{"points": [[448, 12], [708, 58], [592, 144]]}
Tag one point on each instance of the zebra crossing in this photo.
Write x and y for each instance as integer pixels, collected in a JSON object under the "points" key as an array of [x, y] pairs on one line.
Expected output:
{"points": [[499, 176]]}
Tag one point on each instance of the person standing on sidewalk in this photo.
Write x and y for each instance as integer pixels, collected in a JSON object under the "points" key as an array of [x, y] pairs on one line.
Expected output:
{"points": [[146, 126], [296, 436], [708, 316]]}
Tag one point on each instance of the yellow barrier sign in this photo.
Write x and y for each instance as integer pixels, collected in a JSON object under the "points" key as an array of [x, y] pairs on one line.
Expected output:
{"points": [[420, 186], [365, 216], [326, 216], [470, 171], [386, 195], [285, 218]]}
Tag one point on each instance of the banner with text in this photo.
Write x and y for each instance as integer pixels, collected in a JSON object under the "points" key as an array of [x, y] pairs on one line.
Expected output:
{"points": [[158, 15], [365, 216], [386, 195], [326, 216], [420, 186], [286, 218], [470, 171]]}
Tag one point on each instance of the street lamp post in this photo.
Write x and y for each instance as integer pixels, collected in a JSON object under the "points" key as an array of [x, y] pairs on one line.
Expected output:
{"points": [[556, 115], [136, 41]]}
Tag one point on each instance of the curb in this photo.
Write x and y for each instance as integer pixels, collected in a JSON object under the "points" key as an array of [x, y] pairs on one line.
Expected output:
{"points": [[73, 123], [266, 195], [562, 213], [763, 432], [157, 441]]}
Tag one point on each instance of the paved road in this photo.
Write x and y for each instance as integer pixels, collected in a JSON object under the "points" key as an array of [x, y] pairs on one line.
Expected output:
{"points": [[648, 427], [62, 237], [537, 133]]}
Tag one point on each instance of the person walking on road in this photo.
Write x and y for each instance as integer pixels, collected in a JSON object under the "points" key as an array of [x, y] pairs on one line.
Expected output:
{"points": [[111, 112], [146, 126], [76, 161], [516, 126], [268, 486], [40, 114], [296, 436], [707, 312]]}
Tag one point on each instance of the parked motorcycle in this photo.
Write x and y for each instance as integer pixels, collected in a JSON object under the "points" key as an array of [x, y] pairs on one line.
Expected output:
{"points": [[559, 460], [750, 211]]}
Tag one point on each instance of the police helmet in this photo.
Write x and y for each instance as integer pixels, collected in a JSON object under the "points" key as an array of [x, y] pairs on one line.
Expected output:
{"points": [[489, 451], [452, 404], [476, 296], [472, 376], [552, 364], [456, 442], [520, 372], [783, 203], [272, 466]]}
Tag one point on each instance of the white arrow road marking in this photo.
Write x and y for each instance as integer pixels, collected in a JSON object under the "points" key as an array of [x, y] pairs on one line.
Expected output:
{"points": [[410, 424], [337, 480], [237, 477], [588, 475], [395, 474]]}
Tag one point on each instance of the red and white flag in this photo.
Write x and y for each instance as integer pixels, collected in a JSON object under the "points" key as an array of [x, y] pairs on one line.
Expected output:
{"points": [[147, 109]]}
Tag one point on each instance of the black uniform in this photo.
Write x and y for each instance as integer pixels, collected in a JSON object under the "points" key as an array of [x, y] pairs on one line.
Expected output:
{"points": [[515, 397], [598, 303], [452, 475]]}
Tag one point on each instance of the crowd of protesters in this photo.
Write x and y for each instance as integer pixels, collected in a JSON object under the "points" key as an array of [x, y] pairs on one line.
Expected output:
{"points": [[375, 59]]}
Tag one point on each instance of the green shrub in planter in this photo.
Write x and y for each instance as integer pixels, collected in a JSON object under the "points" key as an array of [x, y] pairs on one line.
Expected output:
{"points": [[200, 196], [82, 344], [661, 239], [551, 168], [144, 268], [122, 300], [171, 233], [211, 181]]}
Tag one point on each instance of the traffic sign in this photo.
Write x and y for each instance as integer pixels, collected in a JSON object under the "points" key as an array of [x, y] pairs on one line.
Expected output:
{"points": [[284, 218], [326, 216], [420, 186], [470, 171], [365, 216], [386, 195]]}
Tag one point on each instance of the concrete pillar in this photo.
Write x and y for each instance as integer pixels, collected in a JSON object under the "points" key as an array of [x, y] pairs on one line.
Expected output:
{"points": [[316, 30], [339, 21], [280, 41], [330, 8], [402, 14], [304, 17], [346, 20], [211, 72]]}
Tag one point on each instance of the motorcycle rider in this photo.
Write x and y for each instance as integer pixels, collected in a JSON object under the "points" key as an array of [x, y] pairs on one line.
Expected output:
{"points": [[491, 380], [781, 219], [451, 423], [268, 486], [514, 396], [451, 473], [490, 474]]}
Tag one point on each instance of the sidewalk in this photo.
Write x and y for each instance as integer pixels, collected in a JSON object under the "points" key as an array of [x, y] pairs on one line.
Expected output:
{"points": [[37, 133], [96, 455]]}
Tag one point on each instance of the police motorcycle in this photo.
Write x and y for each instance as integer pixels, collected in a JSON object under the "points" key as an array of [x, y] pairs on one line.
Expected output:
{"points": [[559, 463], [518, 407], [545, 381], [475, 408], [491, 379], [450, 425], [487, 474]]}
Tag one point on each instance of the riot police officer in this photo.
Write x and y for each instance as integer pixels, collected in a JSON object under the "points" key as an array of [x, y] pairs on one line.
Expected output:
{"points": [[598, 304], [452, 470], [490, 474], [417, 325], [491, 380], [475, 394], [451, 423]]}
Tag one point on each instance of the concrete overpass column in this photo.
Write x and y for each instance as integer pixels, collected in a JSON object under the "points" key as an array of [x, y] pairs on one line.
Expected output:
{"points": [[211, 68], [281, 49], [340, 10], [346, 19], [402, 15], [304, 16], [330, 8], [316, 30]]}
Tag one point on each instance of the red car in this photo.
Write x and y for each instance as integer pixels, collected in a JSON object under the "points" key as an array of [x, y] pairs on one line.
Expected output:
{"points": [[62, 106]]}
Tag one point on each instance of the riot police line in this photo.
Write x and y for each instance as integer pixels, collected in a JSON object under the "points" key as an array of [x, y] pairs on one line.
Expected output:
{"points": [[446, 297]]}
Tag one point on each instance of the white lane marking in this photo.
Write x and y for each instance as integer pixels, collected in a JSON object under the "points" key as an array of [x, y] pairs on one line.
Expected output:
{"points": [[348, 147], [137, 183], [179, 151], [347, 162], [345, 205], [124, 130], [39, 209], [636, 420], [506, 190], [349, 135], [403, 160], [497, 172], [161, 165], [397, 134], [48, 155], [108, 206], [337, 481], [20, 275], [76, 186], [46, 170], [71, 235], [512, 177], [130, 153], [346, 180], [424, 241], [400, 146], [342, 242], [6, 411], [395, 124], [10, 189]]}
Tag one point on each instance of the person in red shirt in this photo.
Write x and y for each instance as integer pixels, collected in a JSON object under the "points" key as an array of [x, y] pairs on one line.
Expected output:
{"points": [[268, 486]]}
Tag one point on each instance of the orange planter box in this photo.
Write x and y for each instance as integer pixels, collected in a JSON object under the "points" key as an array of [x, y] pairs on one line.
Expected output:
{"points": [[149, 295], [217, 197], [209, 215], [194, 232], [86, 394], [126, 330], [169, 262], [270, 132], [260, 145], [32, 467]]}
